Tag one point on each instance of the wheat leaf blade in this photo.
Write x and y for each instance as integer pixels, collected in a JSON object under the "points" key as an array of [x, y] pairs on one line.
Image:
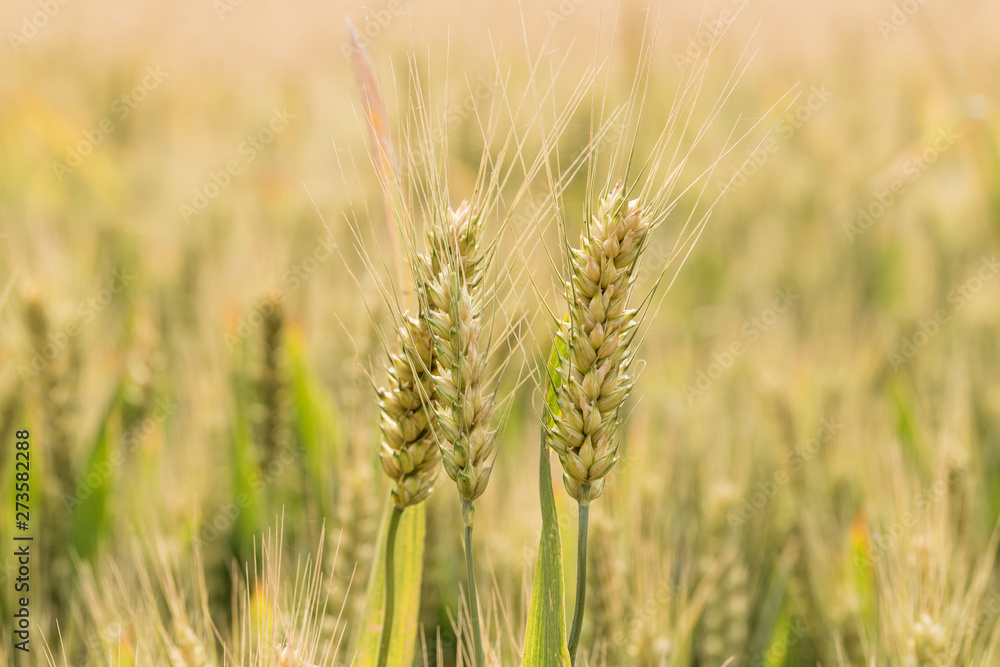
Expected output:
{"points": [[409, 566], [316, 420], [545, 638], [92, 513]]}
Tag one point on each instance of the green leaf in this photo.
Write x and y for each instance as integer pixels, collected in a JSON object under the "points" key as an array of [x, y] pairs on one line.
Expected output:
{"points": [[554, 371], [409, 570], [776, 653], [90, 516], [316, 421], [247, 479], [545, 638], [904, 413], [861, 567]]}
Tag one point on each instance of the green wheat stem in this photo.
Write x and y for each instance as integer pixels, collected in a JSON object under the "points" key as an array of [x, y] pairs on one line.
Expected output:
{"points": [[470, 571], [390, 593], [581, 573]]}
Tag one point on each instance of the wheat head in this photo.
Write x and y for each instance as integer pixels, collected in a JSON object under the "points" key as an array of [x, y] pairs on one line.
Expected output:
{"points": [[597, 336], [451, 286], [408, 452]]}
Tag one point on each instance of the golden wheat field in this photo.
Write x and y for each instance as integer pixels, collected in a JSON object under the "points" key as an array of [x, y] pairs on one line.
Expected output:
{"points": [[427, 332]]}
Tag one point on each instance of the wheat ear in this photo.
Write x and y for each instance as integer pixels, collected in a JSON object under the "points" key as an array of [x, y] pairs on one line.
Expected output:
{"points": [[451, 289], [597, 336], [408, 452], [452, 298]]}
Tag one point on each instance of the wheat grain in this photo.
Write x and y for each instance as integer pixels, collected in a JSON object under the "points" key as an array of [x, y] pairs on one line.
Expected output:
{"points": [[273, 431], [452, 293], [286, 656], [597, 336], [56, 394], [408, 452]]}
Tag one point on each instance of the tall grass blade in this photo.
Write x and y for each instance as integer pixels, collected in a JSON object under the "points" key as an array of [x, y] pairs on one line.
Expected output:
{"points": [[409, 564], [776, 653], [246, 478], [90, 497], [545, 637], [316, 421]]}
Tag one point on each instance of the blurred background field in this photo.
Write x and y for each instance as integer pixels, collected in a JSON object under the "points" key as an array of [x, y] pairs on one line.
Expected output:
{"points": [[811, 474]]}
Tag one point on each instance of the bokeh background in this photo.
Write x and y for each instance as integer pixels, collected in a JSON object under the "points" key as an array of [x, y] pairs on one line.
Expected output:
{"points": [[810, 472]]}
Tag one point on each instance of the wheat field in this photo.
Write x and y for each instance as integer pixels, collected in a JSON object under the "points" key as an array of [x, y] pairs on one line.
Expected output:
{"points": [[276, 301]]}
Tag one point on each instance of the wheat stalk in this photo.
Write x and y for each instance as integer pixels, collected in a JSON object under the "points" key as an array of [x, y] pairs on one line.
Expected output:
{"points": [[408, 452], [597, 337], [449, 282], [597, 340], [451, 289]]}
